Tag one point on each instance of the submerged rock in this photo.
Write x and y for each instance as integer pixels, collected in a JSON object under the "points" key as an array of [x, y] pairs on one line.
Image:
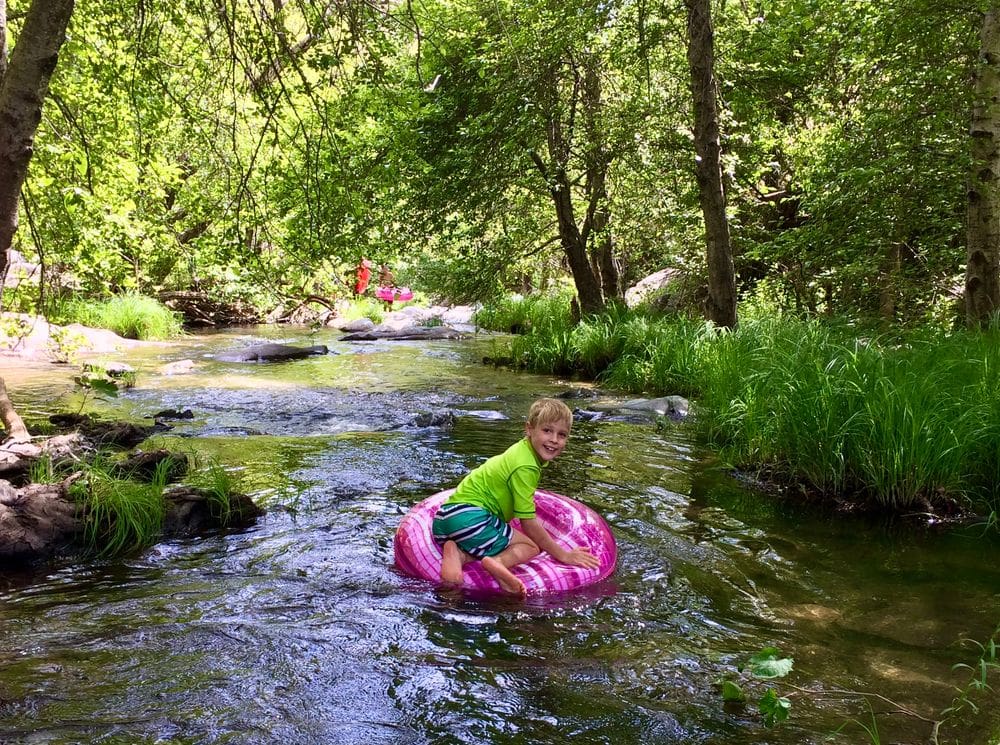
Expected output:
{"points": [[434, 419], [271, 353], [180, 367]]}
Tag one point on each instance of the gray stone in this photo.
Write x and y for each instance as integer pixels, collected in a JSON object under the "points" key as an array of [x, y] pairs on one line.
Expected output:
{"points": [[270, 353]]}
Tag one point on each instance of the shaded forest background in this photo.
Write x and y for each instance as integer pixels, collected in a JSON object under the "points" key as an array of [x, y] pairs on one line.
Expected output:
{"points": [[257, 150]]}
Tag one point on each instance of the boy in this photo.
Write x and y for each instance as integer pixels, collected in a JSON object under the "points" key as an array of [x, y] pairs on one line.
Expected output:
{"points": [[474, 523]]}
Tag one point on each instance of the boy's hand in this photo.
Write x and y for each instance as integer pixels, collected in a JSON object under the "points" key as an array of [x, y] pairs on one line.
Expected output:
{"points": [[581, 557]]}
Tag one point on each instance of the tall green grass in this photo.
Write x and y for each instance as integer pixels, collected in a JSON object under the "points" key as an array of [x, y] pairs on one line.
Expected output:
{"points": [[903, 422], [541, 314], [120, 515], [131, 316]]}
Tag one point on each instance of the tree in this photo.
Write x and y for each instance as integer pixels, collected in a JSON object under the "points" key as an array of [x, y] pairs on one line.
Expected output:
{"points": [[24, 84], [982, 272], [721, 307], [530, 134]]}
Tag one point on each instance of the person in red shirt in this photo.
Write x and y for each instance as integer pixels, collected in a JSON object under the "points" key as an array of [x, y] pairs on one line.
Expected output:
{"points": [[364, 275]]}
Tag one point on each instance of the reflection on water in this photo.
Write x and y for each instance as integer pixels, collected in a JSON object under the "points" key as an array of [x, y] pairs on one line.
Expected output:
{"points": [[299, 630]]}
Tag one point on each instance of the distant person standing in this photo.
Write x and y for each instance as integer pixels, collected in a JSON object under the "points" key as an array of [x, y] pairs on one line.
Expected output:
{"points": [[386, 285], [363, 275]]}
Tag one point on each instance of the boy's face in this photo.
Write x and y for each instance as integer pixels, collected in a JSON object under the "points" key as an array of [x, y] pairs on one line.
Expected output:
{"points": [[548, 438]]}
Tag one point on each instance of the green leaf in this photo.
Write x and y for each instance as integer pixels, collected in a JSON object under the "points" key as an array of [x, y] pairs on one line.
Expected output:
{"points": [[732, 692], [768, 663], [775, 708], [98, 385]]}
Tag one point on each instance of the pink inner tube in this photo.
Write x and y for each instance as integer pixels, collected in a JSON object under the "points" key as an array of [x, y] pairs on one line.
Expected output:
{"points": [[572, 524], [394, 293]]}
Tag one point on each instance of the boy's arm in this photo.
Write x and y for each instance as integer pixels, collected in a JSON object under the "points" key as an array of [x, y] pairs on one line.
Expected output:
{"points": [[581, 557]]}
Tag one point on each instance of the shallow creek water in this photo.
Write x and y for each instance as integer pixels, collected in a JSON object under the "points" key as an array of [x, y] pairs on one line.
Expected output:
{"points": [[299, 630]]}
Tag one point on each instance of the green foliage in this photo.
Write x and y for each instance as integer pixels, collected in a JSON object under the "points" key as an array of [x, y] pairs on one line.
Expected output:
{"points": [[131, 316], [363, 307], [870, 730], [773, 708], [899, 421], [219, 485], [95, 381], [964, 703], [767, 664], [42, 471], [64, 344], [13, 329], [519, 315], [120, 515]]}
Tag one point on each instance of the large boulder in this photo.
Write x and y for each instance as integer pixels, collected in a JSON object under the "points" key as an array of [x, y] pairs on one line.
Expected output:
{"points": [[648, 287]]}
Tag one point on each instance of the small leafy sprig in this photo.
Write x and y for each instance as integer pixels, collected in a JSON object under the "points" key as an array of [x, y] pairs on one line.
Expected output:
{"points": [[767, 664]]}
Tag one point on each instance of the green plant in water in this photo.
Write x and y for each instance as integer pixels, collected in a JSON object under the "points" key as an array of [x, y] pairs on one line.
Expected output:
{"points": [[220, 484], [95, 382], [871, 730], [120, 515], [767, 664], [963, 706]]}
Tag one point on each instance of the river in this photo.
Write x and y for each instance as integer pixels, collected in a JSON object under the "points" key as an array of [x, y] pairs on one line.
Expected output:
{"points": [[299, 630]]}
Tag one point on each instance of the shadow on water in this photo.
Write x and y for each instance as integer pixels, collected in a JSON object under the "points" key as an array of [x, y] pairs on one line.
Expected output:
{"points": [[299, 630]]}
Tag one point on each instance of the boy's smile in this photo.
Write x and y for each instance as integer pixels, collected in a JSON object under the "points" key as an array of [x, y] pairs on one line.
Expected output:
{"points": [[548, 440]]}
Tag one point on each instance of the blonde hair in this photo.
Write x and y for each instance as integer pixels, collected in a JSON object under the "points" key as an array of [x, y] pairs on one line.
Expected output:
{"points": [[549, 410]]}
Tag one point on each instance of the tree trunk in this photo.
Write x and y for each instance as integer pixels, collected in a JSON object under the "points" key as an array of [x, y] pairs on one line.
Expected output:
{"points": [[23, 89], [982, 269], [16, 431], [572, 240], [597, 223], [721, 304], [892, 268], [574, 245]]}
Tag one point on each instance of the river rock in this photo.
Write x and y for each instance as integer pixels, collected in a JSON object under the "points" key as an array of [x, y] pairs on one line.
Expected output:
{"points": [[410, 333], [190, 511], [435, 419], [143, 466], [178, 368], [675, 407], [354, 325], [173, 414], [270, 353], [37, 520]]}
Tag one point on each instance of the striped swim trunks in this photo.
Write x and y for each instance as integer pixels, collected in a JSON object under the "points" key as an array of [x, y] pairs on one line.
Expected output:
{"points": [[477, 532]]}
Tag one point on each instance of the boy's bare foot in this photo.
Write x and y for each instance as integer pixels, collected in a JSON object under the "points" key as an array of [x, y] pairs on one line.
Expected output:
{"points": [[503, 575], [451, 564]]}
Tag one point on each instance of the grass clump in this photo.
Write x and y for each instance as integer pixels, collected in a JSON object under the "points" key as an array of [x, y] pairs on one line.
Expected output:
{"points": [[219, 485], [906, 423], [131, 315], [120, 515], [544, 315], [363, 307]]}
